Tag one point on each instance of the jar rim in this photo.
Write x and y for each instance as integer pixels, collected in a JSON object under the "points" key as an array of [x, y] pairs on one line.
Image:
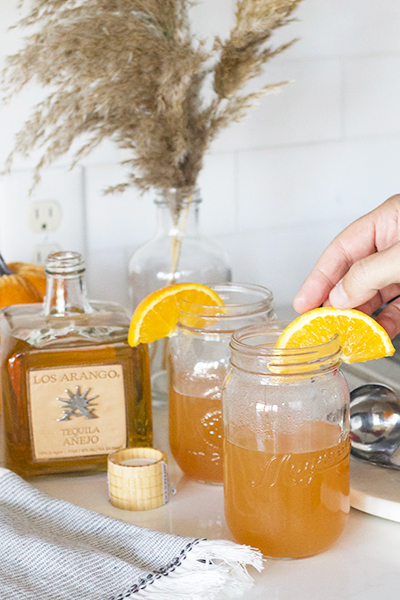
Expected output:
{"points": [[65, 263], [250, 331], [264, 357], [263, 301]]}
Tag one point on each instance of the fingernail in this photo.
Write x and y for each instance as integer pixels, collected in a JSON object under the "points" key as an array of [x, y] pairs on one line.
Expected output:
{"points": [[338, 296]]}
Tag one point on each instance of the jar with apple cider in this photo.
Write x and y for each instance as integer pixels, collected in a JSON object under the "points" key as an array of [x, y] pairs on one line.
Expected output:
{"points": [[286, 444], [198, 359]]}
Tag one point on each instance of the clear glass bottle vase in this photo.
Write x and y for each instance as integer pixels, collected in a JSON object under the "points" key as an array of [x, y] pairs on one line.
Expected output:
{"points": [[177, 253]]}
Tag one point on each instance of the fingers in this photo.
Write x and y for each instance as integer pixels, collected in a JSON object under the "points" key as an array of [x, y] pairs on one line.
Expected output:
{"points": [[354, 243], [382, 297], [366, 277], [375, 231], [389, 318], [314, 291]]}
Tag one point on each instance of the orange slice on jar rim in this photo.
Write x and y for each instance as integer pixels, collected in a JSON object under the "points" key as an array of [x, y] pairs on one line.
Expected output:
{"points": [[157, 315], [361, 337]]}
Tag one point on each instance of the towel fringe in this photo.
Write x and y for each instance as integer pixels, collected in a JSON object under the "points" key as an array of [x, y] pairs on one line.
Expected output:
{"points": [[210, 567]]}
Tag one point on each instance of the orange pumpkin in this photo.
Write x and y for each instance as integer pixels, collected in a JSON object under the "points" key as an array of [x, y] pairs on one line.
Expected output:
{"points": [[21, 283]]}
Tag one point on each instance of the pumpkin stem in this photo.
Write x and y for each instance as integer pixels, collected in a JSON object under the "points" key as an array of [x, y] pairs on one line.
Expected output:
{"points": [[4, 270]]}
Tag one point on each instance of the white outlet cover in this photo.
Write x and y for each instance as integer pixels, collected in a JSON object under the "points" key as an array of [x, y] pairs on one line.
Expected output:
{"points": [[44, 216], [18, 237], [42, 251]]}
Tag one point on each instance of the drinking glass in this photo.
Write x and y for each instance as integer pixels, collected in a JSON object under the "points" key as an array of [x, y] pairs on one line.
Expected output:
{"points": [[286, 444], [198, 361]]}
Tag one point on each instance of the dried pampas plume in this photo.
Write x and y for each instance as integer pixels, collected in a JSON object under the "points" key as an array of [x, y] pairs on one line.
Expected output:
{"points": [[131, 71]]}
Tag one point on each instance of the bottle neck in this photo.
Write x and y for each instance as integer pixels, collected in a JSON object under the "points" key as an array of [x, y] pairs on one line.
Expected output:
{"points": [[66, 293], [177, 212]]}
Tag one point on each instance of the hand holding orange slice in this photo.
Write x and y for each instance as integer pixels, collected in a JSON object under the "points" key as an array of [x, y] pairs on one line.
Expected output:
{"points": [[361, 337], [157, 315]]}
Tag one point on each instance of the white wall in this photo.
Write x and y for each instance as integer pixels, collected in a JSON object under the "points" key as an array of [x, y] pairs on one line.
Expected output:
{"points": [[278, 187]]}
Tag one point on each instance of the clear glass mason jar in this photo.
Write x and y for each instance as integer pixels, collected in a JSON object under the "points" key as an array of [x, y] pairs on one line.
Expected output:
{"points": [[178, 253], [286, 444], [198, 360]]}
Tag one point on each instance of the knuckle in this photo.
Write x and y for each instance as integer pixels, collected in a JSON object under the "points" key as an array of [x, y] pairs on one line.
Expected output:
{"points": [[360, 271], [394, 200]]}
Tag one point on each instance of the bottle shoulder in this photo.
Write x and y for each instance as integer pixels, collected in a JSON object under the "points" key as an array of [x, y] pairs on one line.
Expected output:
{"points": [[195, 249], [107, 323]]}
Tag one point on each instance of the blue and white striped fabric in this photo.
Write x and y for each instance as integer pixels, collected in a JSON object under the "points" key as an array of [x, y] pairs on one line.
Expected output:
{"points": [[53, 550]]}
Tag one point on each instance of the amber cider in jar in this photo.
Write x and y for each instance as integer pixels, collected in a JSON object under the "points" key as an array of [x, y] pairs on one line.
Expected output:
{"points": [[286, 445], [198, 361]]}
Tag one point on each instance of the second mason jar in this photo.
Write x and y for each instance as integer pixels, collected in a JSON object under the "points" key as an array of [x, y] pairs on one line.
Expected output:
{"points": [[198, 359], [286, 444]]}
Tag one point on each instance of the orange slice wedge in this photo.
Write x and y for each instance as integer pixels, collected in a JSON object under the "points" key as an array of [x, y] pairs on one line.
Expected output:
{"points": [[157, 314], [361, 337]]}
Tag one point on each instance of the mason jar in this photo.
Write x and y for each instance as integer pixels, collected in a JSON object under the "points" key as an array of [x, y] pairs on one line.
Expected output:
{"points": [[198, 359], [286, 444]]}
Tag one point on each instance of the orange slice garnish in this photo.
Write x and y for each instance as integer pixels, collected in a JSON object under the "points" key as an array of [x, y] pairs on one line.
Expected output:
{"points": [[361, 337], [157, 315]]}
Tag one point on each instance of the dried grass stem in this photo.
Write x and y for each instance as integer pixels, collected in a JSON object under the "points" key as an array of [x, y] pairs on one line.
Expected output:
{"points": [[132, 71]]}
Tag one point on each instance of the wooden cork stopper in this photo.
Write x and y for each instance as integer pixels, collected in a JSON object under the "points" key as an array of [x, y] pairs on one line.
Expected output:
{"points": [[137, 478]]}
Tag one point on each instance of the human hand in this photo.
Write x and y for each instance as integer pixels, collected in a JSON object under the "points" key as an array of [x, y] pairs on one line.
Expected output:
{"points": [[360, 268]]}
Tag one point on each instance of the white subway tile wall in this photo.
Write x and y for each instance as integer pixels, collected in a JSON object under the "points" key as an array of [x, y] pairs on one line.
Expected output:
{"points": [[306, 110], [281, 184], [371, 95]]}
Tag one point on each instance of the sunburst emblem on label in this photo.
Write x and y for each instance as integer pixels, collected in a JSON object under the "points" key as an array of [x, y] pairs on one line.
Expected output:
{"points": [[78, 405]]}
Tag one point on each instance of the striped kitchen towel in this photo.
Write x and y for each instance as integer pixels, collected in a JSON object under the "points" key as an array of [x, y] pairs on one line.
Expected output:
{"points": [[53, 550]]}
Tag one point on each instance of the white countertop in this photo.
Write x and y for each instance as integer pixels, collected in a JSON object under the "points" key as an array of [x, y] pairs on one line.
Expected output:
{"points": [[363, 565]]}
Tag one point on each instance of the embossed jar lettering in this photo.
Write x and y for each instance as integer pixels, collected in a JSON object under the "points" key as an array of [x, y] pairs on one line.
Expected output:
{"points": [[286, 445]]}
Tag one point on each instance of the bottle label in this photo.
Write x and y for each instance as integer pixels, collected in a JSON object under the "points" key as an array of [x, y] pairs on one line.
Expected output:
{"points": [[77, 411]]}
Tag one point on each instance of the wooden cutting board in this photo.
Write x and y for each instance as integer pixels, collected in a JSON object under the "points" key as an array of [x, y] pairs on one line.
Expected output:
{"points": [[375, 490]]}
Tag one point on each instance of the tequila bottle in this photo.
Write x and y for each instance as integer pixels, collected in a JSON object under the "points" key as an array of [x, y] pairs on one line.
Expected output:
{"points": [[73, 390]]}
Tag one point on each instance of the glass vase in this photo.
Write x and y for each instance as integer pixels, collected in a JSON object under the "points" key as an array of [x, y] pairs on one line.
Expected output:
{"points": [[178, 253]]}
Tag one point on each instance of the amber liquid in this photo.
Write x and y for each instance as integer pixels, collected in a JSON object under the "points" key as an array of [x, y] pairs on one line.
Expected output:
{"points": [[195, 435], [21, 357], [289, 504]]}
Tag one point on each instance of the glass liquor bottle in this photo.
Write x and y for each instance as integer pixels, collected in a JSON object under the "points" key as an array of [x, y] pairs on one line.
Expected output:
{"points": [[73, 390]]}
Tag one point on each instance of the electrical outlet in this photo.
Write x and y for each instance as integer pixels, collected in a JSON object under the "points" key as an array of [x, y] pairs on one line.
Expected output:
{"points": [[52, 218], [42, 251], [44, 215]]}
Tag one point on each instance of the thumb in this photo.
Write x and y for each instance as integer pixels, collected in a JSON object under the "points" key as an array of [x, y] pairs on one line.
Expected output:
{"points": [[366, 277]]}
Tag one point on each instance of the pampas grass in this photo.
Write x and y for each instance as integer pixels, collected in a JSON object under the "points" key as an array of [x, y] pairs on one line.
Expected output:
{"points": [[132, 71]]}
